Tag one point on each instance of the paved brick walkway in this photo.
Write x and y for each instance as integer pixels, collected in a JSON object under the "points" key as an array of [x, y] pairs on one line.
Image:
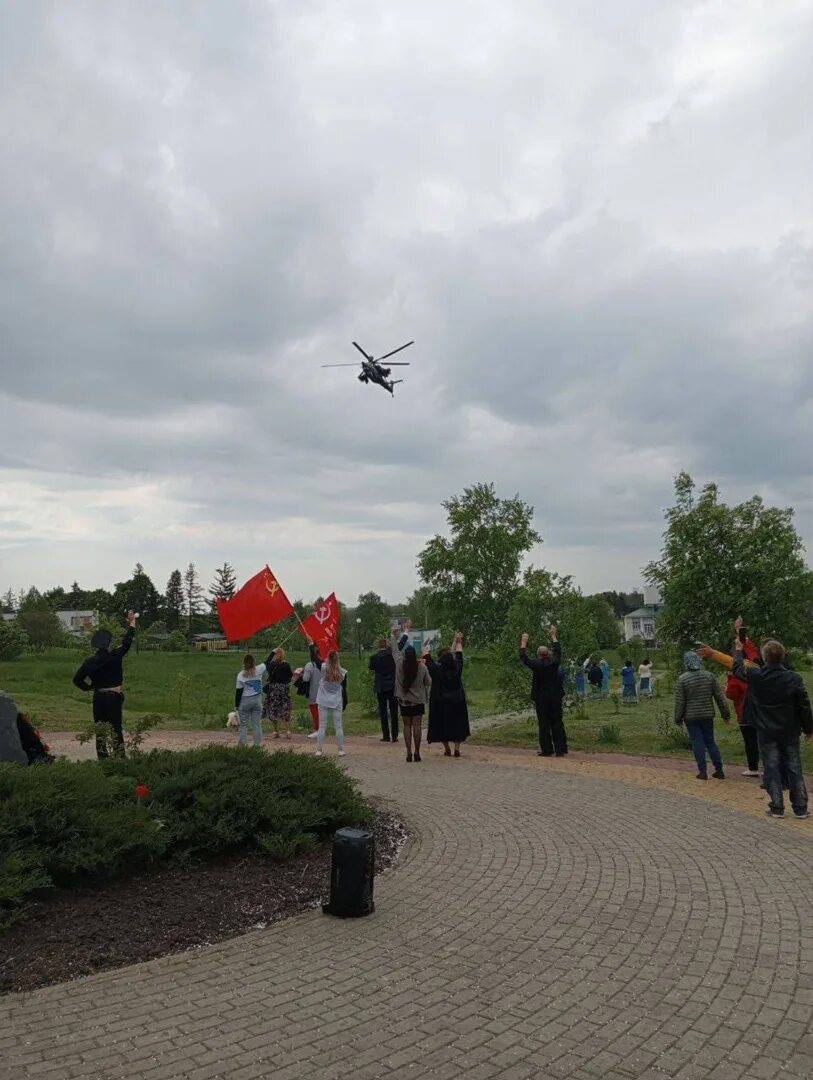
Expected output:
{"points": [[547, 922]]}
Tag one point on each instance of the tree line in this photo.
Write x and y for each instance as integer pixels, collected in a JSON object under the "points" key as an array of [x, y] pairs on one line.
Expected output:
{"points": [[717, 561]]}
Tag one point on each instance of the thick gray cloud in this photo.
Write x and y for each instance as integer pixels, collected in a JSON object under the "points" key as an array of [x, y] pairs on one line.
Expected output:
{"points": [[595, 220]]}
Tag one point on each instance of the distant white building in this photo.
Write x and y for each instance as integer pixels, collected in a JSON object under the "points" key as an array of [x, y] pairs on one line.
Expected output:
{"points": [[77, 622], [641, 622]]}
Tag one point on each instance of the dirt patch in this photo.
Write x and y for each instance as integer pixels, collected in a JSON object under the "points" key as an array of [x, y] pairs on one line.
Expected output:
{"points": [[76, 932]]}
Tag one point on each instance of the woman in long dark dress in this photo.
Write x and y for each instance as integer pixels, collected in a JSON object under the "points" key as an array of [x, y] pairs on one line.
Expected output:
{"points": [[448, 710]]}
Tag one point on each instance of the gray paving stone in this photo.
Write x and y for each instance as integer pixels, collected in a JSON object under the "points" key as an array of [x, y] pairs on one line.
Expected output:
{"points": [[542, 925]]}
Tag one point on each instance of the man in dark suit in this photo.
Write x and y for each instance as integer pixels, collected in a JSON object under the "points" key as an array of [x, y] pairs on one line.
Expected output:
{"points": [[382, 664], [780, 711], [547, 692]]}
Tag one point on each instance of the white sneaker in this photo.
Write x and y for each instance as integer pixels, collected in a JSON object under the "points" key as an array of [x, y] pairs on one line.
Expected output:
{"points": [[751, 772], [313, 735], [318, 753], [341, 753]]}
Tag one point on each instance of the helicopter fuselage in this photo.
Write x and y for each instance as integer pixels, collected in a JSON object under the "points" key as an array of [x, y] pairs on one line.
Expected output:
{"points": [[376, 373]]}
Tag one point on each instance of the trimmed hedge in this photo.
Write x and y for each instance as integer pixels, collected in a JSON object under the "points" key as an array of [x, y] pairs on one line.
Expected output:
{"points": [[71, 822]]}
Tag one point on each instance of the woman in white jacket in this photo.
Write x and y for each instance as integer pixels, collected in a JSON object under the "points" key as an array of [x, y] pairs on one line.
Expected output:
{"points": [[330, 697]]}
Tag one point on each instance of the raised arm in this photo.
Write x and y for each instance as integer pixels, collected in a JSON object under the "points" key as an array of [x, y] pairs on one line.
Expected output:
{"points": [[129, 634]]}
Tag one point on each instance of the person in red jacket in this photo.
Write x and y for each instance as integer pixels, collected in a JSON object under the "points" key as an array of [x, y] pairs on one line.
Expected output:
{"points": [[736, 690]]}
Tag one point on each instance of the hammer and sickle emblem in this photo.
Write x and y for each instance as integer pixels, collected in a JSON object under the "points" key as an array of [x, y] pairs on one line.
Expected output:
{"points": [[323, 614], [271, 584]]}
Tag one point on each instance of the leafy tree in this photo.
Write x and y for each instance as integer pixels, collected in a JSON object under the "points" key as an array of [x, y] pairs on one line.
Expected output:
{"points": [[475, 573], [606, 623], [33, 600], [43, 628], [193, 594], [721, 561], [13, 640], [623, 603], [543, 598], [57, 598], [174, 602], [139, 595], [176, 642], [374, 615], [423, 609], [224, 585]]}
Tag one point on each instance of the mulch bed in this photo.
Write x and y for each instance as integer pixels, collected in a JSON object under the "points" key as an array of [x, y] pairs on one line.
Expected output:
{"points": [[76, 932]]}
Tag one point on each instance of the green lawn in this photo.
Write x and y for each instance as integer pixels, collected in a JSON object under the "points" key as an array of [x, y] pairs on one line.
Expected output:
{"points": [[641, 729], [189, 690]]}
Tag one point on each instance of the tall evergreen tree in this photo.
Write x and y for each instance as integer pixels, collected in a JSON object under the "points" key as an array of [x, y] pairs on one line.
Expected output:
{"points": [[224, 585], [138, 594], [193, 594], [76, 597], [9, 602], [174, 600]]}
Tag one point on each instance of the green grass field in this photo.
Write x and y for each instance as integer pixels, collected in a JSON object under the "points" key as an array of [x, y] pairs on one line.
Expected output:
{"points": [[642, 729], [196, 690], [190, 690]]}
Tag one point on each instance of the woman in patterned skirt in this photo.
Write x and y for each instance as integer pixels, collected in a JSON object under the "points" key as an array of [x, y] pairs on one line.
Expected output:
{"points": [[278, 702]]}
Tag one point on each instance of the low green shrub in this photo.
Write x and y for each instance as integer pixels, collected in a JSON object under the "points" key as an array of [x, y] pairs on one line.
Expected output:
{"points": [[610, 734], [671, 736], [93, 821]]}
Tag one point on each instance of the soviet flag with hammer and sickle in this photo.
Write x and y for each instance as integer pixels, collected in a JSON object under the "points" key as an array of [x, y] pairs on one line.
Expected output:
{"points": [[322, 625], [260, 603]]}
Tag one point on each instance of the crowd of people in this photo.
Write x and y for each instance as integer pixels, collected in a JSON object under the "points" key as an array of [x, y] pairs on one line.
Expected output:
{"points": [[406, 686], [595, 674], [769, 700]]}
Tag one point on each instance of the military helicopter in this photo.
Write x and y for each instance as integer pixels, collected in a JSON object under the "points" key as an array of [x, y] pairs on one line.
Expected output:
{"points": [[372, 370]]}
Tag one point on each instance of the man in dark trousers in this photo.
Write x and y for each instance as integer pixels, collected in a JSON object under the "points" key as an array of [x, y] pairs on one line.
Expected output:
{"points": [[382, 664], [547, 692], [103, 673], [780, 711]]}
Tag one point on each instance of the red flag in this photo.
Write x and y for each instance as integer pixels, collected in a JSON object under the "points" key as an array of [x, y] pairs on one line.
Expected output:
{"points": [[323, 626], [260, 603]]}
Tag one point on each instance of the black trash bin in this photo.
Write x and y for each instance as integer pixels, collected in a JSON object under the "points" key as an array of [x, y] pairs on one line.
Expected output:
{"points": [[351, 874]]}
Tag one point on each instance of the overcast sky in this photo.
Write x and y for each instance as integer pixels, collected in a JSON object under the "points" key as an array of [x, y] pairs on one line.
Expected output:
{"points": [[595, 219]]}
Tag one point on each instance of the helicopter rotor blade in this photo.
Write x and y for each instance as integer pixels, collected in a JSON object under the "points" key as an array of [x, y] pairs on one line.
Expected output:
{"points": [[339, 365], [394, 351], [363, 353], [400, 363]]}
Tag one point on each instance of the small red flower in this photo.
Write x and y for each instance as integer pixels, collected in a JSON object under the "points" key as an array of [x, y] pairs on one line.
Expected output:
{"points": [[141, 791]]}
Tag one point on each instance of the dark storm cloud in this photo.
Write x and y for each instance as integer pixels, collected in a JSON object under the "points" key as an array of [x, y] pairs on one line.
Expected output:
{"points": [[594, 219]]}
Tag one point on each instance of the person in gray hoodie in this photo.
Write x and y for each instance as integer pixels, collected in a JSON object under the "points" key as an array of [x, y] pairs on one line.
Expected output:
{"points": [[695, 695]]}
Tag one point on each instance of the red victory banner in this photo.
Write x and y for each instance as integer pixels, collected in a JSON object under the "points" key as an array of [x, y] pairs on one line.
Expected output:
{"points": [[260, 603], [322, 625]]}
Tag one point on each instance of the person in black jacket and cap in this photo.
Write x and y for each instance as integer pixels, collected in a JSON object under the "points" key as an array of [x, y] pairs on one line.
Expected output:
{"points": [[547, 693], [103, 673], [780, 711], [382, 664]]}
